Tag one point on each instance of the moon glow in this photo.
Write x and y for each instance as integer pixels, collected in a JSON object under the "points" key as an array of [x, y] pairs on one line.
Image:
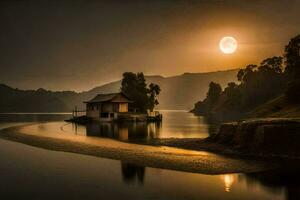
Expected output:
{"points": [[228, 45]]}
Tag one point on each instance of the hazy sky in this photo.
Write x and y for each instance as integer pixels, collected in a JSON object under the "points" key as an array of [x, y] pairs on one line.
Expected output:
{"points": [[81, 44]]}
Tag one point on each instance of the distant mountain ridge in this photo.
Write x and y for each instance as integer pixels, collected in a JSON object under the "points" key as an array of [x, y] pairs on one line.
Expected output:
{"points": [[177, 92]]}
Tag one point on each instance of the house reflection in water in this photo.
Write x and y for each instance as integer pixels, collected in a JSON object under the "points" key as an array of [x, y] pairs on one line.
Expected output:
{"points": [[132, 173], [124, 131]]}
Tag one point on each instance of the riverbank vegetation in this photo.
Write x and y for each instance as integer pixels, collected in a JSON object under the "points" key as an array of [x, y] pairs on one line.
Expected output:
{"points": [[257, 84]]}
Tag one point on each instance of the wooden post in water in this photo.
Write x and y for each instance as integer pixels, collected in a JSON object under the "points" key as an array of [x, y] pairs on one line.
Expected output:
{"points": [[75, 111]]}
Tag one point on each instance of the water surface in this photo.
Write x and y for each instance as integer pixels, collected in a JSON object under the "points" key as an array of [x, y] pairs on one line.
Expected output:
{"points": [[28, 172], [175, 124], [32, 173]]}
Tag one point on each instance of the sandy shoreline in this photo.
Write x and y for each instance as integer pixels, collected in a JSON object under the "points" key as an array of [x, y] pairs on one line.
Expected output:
{"points": [[144, 155]]}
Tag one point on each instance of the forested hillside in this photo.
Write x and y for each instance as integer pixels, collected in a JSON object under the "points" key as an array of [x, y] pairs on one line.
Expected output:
{"points": [[271, 87]]}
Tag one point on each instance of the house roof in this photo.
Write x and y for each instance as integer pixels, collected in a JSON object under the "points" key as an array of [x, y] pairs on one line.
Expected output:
{"points": [[111, 97]]}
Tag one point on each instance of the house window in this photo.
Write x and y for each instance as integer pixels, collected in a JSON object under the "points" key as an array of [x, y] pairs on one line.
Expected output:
{"points": [[111, 115], [104, 115]]}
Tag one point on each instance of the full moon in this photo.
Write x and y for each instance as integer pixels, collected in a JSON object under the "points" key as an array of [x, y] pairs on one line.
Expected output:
{"points": [[228, 45]]}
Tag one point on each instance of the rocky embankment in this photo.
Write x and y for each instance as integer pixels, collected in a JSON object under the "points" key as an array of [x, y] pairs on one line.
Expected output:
{"points": [[258, 138], [261, 137]]}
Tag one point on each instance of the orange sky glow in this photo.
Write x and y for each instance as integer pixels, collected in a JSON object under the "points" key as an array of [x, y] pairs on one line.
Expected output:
{"points": [[78, 46]]}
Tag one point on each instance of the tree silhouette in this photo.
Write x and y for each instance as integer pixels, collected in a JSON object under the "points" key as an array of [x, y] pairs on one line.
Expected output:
{"points": [[292, 57], [214, 92], [135, 87], [292, 61], [273, 64], [154, 91]]}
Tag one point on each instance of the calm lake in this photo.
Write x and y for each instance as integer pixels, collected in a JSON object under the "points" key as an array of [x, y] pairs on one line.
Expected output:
{"points": [[176, 124], [32, 173]]}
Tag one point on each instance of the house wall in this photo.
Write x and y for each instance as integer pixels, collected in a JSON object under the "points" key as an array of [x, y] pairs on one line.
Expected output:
{"points": [[107, 107], [92, 110], [92, 113]]}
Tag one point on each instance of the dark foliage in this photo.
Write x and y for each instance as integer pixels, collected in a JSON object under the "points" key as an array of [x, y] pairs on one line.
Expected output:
{"points": [[15, 100], [214, 92], [135, 87], [212, 97], [153, 91], [258, 84], [292, 61], [292, 57], [293, 91]]}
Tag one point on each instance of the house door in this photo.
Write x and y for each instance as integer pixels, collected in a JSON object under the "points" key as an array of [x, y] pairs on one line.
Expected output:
{"points": [[116, 107]]}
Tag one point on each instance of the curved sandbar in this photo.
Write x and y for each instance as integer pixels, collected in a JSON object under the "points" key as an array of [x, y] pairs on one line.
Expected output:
{"points": [[144, 155]]}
